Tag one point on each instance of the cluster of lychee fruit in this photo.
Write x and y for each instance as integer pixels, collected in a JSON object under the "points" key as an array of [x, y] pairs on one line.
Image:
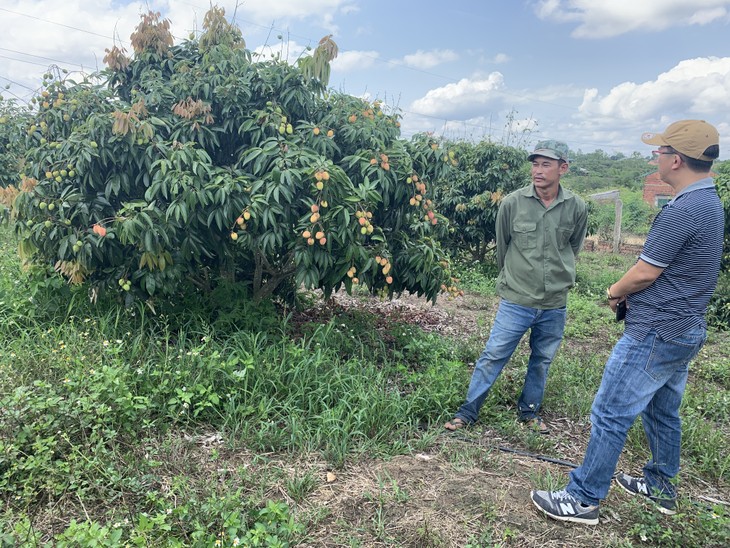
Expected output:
{"points": [[317, 131], [284, 127], [367, 113], [351, 274], [59, 175], [363, 218], [241, 223], [452, 290], [450, 157], [321, 176], [386, 266], [417, 200], [311, 235], [47, 100], [314, 237], [125, 284], [384, 163]]}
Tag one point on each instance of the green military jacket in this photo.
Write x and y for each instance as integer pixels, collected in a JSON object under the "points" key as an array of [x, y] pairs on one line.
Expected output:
{"points": [[537, 247]]}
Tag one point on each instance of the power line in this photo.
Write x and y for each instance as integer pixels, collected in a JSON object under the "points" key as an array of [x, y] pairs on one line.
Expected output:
{"points": [[55, 23], [36, 56], [24, 61], [16, 83]]}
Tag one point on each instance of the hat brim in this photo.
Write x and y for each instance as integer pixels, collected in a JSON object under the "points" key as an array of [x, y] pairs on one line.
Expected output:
{"points": [[654, 139], [546, 153]]}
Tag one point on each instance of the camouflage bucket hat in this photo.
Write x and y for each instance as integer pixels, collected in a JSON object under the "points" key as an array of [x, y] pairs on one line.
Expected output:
{"points": [[557, 150]]}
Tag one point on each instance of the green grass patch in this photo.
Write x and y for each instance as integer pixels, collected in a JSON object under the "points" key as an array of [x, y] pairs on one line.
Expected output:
{"points": [[100, 407]]}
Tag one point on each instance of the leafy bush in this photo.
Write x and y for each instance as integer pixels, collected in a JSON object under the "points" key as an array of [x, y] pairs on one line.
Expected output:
{"points": [[723, 188], [469, 198], [718, 310], [12, 124], [695, 525], [196, 163], [636, 216]]}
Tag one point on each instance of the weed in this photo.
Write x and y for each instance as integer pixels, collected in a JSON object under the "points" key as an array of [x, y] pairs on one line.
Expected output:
{"points": [[101, 407], [694, 525], [299, 486], [547, 480]]}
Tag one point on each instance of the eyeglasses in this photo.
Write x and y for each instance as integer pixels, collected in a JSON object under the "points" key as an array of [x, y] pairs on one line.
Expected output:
{"points": [[656, 153]]}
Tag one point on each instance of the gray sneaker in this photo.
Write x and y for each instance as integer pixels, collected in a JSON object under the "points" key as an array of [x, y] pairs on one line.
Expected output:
{"points": [[638, 486], [562, 506]]}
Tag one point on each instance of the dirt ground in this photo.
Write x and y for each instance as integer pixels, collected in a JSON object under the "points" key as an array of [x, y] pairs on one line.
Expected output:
{"points": [[470, 488]]}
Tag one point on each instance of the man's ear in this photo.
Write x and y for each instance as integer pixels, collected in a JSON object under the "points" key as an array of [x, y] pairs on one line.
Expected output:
{"points": [[564, 166]]}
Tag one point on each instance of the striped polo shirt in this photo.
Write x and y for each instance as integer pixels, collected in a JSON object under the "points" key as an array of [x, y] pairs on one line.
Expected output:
{"points": [[685, 240]]}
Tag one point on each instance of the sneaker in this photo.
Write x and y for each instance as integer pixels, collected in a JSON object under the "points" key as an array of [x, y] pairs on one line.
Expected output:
{"points": [[536, 424], [562, 506], [638, 486]]}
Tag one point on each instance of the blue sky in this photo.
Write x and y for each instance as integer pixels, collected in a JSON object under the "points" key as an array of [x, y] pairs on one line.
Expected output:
{"points": [[594, 74]]}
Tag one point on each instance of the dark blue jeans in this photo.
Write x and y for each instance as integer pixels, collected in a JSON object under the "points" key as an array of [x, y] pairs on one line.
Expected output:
{"points": [[641, 377], [511, 323]]}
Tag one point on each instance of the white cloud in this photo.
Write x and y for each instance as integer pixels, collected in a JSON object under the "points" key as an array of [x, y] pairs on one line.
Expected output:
{"points": [[607, 19], [695, 87], [501, 58], [429, 59], [348, 61], [461, 98], [71, 34]]}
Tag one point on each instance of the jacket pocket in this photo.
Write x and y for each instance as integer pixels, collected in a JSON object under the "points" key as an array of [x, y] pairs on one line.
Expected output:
{"points": [[563, 236], [525, 235]]}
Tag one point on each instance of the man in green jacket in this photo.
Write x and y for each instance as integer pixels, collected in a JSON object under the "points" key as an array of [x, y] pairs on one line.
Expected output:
{"points": [[540, 230]]}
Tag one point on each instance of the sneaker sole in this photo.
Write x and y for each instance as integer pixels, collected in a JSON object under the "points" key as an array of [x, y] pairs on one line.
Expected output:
{"points": [[572, 519], [665, 511]]}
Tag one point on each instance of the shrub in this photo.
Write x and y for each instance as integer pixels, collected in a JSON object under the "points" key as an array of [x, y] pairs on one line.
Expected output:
{"points": [[196, 163]]}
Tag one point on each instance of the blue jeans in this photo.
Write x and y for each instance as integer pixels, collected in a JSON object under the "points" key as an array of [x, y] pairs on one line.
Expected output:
{"points": [[511, 323], [641, 377]]}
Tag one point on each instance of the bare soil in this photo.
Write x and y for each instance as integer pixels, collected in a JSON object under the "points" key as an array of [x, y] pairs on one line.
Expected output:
{"points": [[469, 488]]}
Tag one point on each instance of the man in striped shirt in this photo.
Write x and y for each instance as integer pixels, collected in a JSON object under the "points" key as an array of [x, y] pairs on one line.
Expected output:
{"points": [[667, 292]]}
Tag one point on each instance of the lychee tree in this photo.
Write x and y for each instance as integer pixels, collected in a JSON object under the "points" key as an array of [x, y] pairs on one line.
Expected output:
{"points": [[482, 174], [12, 125], [201, 162]]}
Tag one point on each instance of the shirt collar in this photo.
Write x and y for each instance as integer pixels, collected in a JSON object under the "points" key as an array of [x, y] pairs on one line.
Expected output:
{"points": [[530, 191], [707, 182]]}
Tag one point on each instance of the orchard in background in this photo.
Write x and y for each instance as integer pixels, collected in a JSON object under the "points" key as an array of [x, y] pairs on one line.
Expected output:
{"points": [[483, 173]]}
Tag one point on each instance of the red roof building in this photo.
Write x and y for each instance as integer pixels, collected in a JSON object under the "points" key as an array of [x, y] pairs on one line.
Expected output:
{"points": [[656, 191]]}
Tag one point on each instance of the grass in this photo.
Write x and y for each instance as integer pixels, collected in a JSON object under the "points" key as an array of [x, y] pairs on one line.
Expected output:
{"points": [[204, 425]]}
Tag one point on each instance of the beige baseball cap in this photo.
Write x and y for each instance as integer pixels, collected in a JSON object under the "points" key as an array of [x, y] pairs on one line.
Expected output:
{"points": [[690, 137]]}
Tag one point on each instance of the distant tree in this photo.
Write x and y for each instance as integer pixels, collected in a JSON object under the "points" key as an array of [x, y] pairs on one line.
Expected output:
{"points": [[596, 171], [483, 174], [13, 126], [723, 188]]}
